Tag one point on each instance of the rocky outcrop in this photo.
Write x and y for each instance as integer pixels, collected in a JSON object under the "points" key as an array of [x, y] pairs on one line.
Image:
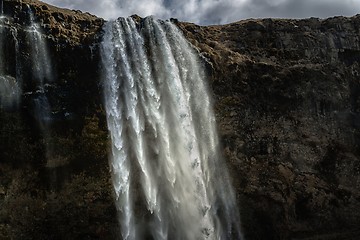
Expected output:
{"points": [[286, 94]]}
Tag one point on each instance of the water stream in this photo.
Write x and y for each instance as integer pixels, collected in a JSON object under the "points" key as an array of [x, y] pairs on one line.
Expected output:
{"points": [[169, 178], [42, 76], [10, 87], [41, 62]]}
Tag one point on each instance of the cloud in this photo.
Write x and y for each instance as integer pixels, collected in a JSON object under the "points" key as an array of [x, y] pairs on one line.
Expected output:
{"points": [[304, 8], [214, 11]]}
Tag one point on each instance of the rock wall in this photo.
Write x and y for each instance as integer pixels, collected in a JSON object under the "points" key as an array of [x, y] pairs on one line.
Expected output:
{"points": [[287, 97], [56, 184]]}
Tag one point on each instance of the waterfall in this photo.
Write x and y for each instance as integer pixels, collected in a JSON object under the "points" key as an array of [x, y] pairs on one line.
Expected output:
{"points": [[41, 71], [10, 87], [168, 176], [41, 67], [42, 76], [41, 62]]}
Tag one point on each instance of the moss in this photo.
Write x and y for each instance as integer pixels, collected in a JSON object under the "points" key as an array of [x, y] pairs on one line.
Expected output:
{"points": [[79, 208], [94, 139]]}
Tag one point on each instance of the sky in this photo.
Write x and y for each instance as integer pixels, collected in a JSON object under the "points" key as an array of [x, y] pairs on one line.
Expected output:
{"points": [[206, 12]]}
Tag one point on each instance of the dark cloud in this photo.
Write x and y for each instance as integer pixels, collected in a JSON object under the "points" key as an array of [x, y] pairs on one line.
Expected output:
{"points": [[214, 11]]}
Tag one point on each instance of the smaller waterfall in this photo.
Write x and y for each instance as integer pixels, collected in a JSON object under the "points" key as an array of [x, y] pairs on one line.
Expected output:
{"points": [[41, 62], [10, 87], [41, 71], [42, 76]]}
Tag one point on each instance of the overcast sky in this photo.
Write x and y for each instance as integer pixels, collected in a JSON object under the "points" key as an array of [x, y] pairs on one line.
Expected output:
{"points": [[206, 12]]}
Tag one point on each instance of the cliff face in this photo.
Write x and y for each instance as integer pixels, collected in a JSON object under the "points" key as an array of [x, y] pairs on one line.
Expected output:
{"points": [[287, 97], [55, 182], [287, 101]]}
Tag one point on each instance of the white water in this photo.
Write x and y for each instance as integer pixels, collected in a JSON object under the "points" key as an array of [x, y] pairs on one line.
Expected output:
{"points": [[41, 62], [41, 72], [10, 87], [42, 76], [168, 175]]}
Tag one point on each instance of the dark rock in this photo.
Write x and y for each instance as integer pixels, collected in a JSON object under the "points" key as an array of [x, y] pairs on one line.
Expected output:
{"points": [[286, 93]]}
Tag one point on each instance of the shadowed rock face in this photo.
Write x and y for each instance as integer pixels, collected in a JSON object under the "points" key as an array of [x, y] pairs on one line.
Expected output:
{"points": [[287, 98], [55, 184]]}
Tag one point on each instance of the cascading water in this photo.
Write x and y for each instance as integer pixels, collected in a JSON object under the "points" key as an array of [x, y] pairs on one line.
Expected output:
{"points": [[10, 87], [41, 71], [41, 62], [42, 76], [165, 150]]}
